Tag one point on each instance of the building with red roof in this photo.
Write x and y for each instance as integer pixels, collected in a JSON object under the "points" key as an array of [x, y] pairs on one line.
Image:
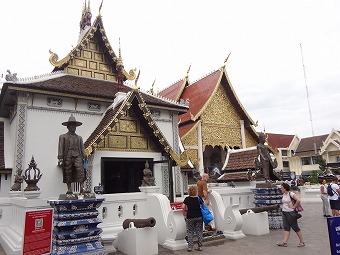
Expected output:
{"points": [[216, 120]]}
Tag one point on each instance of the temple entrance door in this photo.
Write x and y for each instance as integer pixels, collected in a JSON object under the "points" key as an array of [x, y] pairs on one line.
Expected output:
{"points": [[122, 175]]}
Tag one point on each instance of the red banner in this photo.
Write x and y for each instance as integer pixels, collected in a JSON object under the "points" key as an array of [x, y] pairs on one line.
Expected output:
{"points": [[176, 206], [38, 232]]}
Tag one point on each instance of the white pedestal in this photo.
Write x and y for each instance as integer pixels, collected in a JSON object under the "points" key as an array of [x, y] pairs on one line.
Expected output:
{"points": [[255, 223], [149, 189], [32, 194], [15, 193], [138, 241]]}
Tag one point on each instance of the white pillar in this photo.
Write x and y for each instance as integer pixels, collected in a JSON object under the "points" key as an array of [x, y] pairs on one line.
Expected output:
{"points": [[200, 147], [243, 137]]}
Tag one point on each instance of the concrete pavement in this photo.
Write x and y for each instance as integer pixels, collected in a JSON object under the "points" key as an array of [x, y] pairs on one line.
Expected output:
{"points": [[312, 224]]}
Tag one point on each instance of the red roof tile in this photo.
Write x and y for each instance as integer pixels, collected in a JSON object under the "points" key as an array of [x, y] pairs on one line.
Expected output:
{"points": [[241, 160], [279, 140], [174, 91], [185, 129], [198, 94]]}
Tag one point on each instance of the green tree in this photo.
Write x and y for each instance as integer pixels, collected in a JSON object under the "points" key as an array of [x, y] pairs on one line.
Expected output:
{"points": [[314, 177], [322, 164]]}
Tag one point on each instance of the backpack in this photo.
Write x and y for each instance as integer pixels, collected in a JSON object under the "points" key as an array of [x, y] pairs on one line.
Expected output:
{"points": [[330, 191]]}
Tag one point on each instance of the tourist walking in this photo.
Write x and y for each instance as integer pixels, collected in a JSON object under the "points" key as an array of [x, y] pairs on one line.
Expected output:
{"points": [[290, 216], [334, 199], [324, 198], [203, 193], [194, 220]]}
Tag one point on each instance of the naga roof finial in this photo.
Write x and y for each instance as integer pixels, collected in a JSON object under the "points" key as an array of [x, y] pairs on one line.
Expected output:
{"points": [[120, 60], [136, 80], [225, 61], [100, 7], [188, 72], [152, 89]]}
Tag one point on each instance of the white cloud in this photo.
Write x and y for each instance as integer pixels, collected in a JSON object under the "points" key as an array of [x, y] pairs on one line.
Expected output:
{"points": [[164, 37]]}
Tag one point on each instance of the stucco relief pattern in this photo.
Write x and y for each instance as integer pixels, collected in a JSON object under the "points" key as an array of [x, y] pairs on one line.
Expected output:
{"points": [[220, 122], [21, 130], [177, 150], [165, 178], [89, 170]]}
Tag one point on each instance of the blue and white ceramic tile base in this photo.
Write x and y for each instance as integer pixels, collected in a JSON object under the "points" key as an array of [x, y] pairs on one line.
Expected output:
{"points": [[75, 228]]}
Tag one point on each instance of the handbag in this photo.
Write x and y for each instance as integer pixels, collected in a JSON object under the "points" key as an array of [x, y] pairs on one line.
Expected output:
{"points": [[298, 208], [206, 214]]}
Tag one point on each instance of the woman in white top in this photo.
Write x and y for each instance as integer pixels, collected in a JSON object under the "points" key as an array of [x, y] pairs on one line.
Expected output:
{"points": [[289, 215], [324, 198]]}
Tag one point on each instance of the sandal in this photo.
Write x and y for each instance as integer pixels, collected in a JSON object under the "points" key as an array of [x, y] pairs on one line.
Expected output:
{"points": [[282, 244], [189, 250], [301, 245], [198, 249]]}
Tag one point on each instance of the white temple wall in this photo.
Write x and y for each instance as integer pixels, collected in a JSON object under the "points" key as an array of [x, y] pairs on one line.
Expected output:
{"points": [[42, 134], [164, 122]]}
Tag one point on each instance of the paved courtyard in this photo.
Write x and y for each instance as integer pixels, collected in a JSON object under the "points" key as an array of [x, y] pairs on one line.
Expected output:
{"points": [[313, 225]]}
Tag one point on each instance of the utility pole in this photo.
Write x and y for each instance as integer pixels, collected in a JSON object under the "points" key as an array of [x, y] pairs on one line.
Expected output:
{"points": [[309, 108]]}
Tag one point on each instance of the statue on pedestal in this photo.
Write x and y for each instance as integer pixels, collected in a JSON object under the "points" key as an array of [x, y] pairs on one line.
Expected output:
{"points": [[264, 161], [71, 155], [148, 179], [18, 179]]}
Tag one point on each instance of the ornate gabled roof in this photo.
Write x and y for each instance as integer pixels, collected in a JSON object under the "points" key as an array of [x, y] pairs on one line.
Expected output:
{"points": [[67, 85], [198, 94], [97, 28], [113, 115], [94, 33], [174, 92], [202, 91]]}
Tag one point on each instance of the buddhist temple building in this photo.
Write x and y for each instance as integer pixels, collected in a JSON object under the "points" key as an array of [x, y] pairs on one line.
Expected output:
{"points": [[122, 126], [216, 120]]}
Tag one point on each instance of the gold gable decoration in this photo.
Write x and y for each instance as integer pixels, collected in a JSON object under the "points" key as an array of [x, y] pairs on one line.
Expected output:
{"points": [[220, 121], [125, 132], [89, 59]]}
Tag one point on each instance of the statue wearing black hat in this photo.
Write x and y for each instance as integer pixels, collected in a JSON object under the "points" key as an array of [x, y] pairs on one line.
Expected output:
{"points": [[71, 155]]}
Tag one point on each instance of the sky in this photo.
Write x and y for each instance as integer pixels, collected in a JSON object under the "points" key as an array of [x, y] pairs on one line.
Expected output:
{"points": [[267, 40]]}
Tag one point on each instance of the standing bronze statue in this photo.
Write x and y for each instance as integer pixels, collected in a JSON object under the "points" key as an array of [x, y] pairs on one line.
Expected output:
{"points": [[71, 155], [265, 160]]}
